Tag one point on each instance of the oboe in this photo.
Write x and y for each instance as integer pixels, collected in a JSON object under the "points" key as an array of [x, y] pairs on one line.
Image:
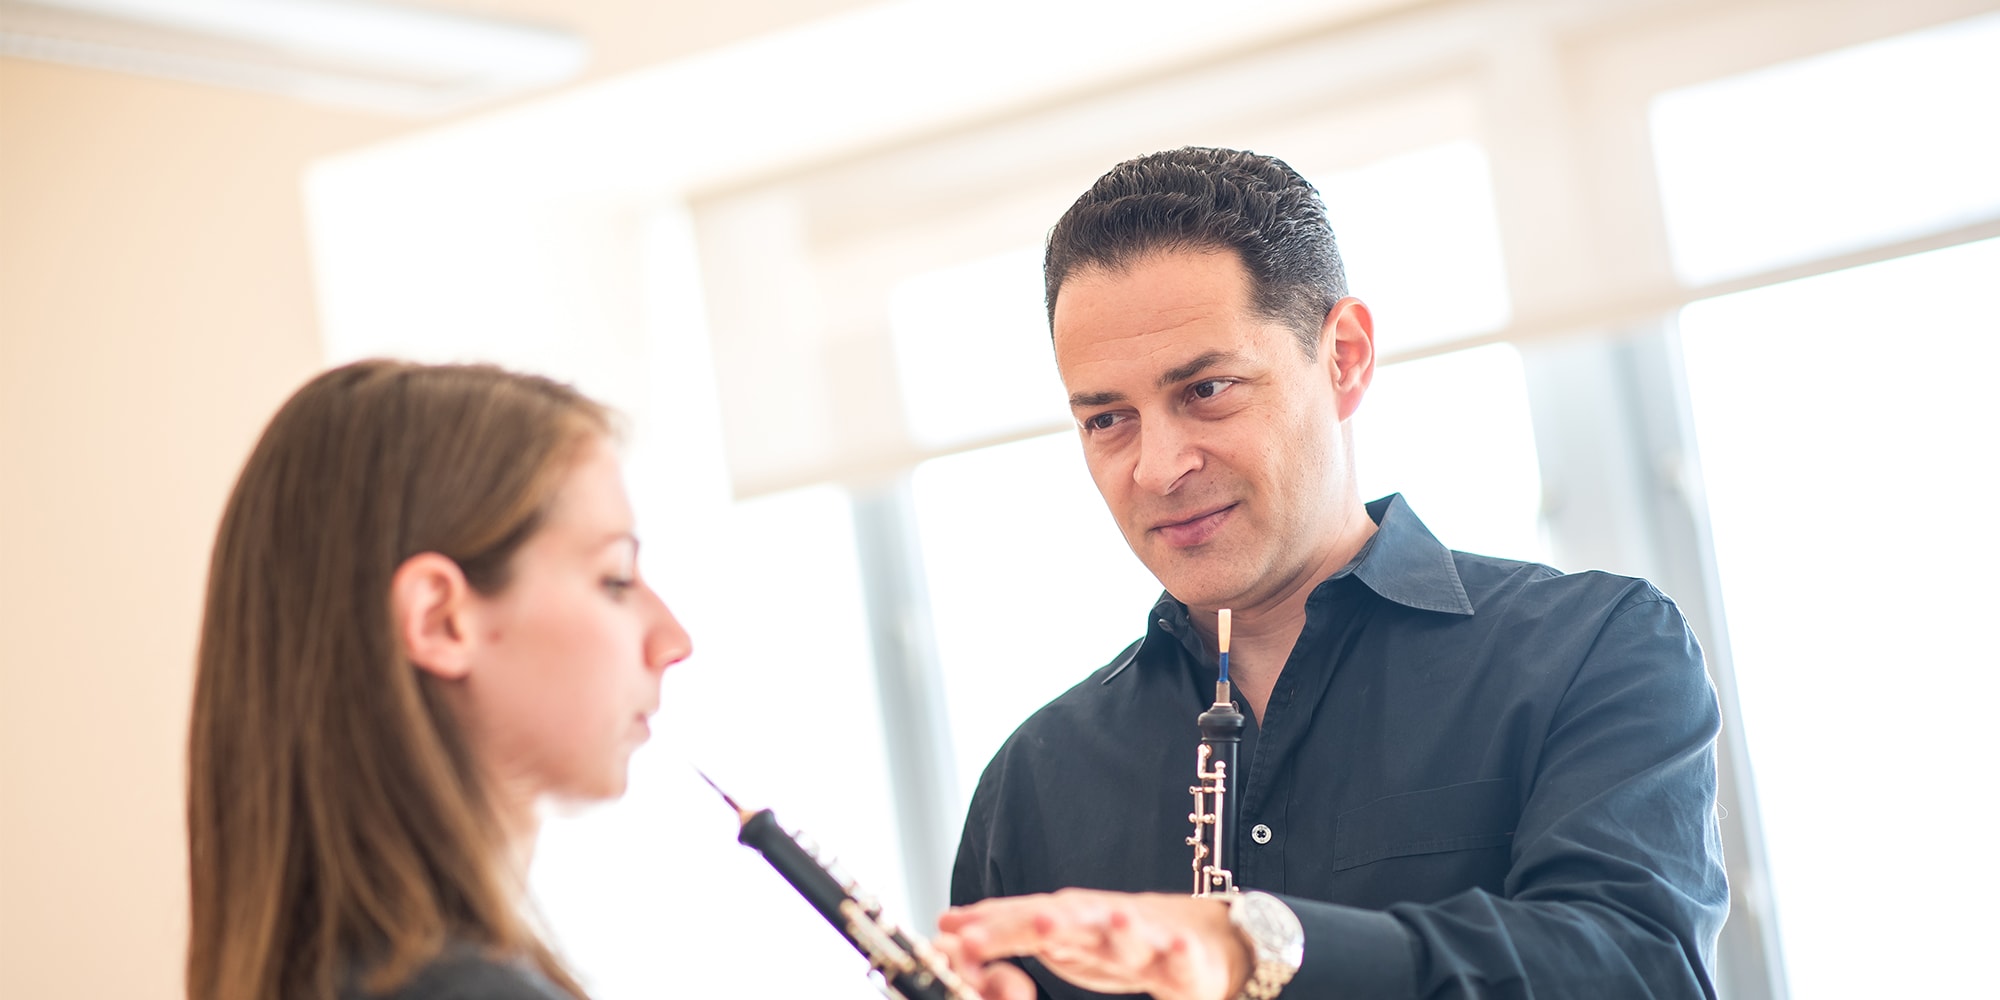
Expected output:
{"points": [[1215, 806], [903, 964]]}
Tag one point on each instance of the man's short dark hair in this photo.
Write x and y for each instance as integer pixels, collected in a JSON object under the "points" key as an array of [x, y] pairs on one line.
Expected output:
{"points": [[1201, 199]]}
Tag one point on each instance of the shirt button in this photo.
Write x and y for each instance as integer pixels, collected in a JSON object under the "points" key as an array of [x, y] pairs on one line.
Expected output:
{"points": [[1260, 833]]}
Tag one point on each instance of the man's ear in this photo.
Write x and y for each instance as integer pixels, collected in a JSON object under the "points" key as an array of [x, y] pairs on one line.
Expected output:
{"points": [[429, 602], [1347, 346]]}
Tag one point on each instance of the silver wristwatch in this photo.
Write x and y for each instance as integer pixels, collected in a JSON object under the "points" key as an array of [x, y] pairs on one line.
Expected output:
{"points": [[1277, 942]]}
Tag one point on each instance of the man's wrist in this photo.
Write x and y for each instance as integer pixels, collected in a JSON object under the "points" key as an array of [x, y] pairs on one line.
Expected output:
{"points": [[1275, 940], [1241, 956]]}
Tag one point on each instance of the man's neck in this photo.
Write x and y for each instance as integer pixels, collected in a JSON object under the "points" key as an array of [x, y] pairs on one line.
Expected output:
{"points": [[1255, 661], [1262, 635]]}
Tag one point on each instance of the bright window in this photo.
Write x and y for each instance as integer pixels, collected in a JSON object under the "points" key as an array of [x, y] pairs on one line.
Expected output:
{"points": [[779, 706], [973, 353], [1874, 143], [1032, 587], [1454, 435], [1421, 244], [1847, 439]]}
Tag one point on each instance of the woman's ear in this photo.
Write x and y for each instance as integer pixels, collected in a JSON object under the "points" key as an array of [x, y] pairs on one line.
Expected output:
{"points": [[429, 602]]}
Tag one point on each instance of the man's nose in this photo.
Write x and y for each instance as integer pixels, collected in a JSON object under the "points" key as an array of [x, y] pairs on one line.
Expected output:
{"points": [[1167, 453]]}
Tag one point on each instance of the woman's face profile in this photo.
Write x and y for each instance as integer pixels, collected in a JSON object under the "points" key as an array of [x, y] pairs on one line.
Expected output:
{"points": [[565, 667]]}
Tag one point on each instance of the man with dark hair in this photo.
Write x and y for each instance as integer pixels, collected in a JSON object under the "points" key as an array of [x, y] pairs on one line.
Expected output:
{"points": [[1208, 200], [1461, 776]]}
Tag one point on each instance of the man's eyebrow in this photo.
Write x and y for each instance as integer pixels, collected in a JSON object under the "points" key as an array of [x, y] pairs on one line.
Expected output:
{"points": [[1196, 367], [1083, 400]]}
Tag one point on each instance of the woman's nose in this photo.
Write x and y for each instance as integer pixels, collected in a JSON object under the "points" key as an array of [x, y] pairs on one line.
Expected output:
{"points": [[667, 643]]}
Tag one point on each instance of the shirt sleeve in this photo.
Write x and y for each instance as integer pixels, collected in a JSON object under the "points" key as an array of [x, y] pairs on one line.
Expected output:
{"points": [[973, 876], [1616, 886]]}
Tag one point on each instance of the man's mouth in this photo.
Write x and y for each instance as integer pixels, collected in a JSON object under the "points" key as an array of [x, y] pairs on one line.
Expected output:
{"points": [[1192, 531]]}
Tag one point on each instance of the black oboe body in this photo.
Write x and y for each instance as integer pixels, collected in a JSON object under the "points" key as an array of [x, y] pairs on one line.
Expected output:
{"points": [[1216, 800], [907, 967]]}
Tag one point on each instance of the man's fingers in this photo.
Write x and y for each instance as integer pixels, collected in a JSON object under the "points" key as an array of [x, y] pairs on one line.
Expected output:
{"points": [[995, 981], [1005, 982], [1172, 947], [953, 950], [995, 928], [1169, 967], [1022, 925]]}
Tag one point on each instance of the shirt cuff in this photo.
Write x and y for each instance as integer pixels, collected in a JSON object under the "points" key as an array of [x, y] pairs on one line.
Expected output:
{"points": [[1352, 953]]}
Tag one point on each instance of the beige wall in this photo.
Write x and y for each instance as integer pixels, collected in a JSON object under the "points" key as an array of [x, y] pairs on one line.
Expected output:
{"points": [[155, 307]]}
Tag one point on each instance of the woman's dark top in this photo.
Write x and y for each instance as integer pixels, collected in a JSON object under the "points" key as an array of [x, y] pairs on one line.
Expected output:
{"points": [[466, 973]]}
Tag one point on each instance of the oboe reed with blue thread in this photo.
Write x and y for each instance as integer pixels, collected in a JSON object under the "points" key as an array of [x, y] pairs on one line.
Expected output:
{"points": [[1222, 642]]}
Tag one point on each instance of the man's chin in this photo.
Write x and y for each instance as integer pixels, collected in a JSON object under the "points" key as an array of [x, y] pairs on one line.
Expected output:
{"points": [[1200, 589]]}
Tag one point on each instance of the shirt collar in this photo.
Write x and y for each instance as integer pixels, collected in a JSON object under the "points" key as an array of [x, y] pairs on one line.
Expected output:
{"points": [[1402, 562], [1405, 563]]}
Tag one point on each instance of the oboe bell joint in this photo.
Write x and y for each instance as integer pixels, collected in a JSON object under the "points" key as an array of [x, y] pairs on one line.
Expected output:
{"points": [[903, 965]]}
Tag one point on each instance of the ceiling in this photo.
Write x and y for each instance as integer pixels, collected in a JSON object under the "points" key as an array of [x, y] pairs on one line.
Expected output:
{"points": [[625, 35], [389, 60]]}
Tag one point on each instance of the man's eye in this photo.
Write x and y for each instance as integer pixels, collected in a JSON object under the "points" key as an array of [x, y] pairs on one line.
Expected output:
{"points": [[1209, 388], [1100, 422]]}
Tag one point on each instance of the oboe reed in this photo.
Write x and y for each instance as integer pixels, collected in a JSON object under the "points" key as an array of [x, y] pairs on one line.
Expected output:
{"points": [[1222, 643]]}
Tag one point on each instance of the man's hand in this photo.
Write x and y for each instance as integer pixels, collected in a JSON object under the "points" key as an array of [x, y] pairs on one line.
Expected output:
{"points": [[1173, 947]]}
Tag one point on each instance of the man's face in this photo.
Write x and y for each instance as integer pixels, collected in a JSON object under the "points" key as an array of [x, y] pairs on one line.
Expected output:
{"points": [[1215, 441]]}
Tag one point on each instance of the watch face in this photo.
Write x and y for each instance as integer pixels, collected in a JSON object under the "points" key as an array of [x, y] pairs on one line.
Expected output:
{"points": [[1271, 925]]}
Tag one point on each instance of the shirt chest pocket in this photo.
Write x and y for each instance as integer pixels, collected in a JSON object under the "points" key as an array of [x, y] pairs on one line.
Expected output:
{"points": [[1460, 817]]}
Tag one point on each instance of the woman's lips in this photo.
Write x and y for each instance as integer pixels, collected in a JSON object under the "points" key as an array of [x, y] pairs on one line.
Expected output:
{"points": [[1195, 530]]}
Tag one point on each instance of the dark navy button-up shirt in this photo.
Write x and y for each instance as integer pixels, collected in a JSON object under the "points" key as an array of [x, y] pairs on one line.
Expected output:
{"points": [[1479, 778]]}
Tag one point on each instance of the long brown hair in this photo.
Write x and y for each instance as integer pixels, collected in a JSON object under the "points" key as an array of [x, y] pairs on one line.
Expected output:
{"points": [[336, 820]]}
